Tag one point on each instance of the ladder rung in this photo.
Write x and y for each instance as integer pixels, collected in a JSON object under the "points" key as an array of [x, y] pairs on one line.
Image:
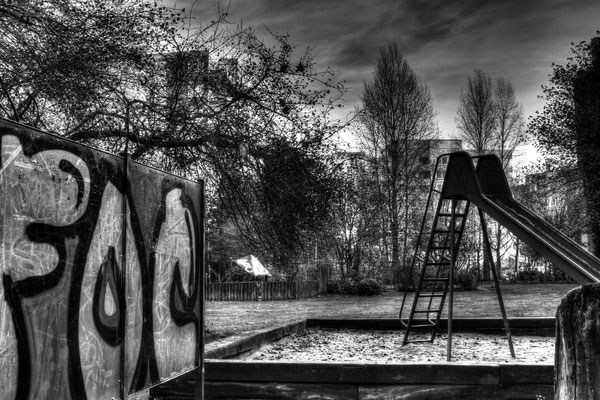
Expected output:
{"points": [[428, 324], [420, 341], [426, 311], [431, 295], [435, 279], [423, 326]]}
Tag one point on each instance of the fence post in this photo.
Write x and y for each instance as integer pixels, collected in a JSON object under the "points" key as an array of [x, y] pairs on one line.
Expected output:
{"points": [[577, 360]]}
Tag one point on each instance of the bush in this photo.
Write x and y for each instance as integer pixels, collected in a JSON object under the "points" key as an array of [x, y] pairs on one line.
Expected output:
{"points": [[345, 286], [412, 285], [348, 287], [368, 287], [530, 276], [463, 280], [535, 276], [466, 280], [352, 287], [334, 287]]}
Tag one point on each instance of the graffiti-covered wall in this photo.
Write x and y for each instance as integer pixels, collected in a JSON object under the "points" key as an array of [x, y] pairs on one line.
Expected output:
{"points": [[101, 283]]}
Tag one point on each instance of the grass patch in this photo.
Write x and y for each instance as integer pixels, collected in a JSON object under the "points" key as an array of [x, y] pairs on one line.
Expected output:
{"points": [[224, 318]]}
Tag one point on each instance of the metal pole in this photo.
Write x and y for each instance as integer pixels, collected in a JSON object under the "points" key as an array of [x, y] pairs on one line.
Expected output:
{"points": [[488, 249], [122, 295], [202, 256], [451, 280]]}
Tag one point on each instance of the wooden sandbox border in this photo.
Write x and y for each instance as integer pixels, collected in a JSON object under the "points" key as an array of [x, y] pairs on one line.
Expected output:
{"points": [[227, 378]]}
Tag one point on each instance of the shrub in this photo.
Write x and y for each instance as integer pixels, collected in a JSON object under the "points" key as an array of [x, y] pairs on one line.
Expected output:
{"points": [[353, 287], [466, 280], [529, 276], [368, 287], [412, 285], [334, 287], [343, 286], [348, 287]]}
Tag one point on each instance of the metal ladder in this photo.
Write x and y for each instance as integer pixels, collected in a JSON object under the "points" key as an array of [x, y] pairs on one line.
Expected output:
{"points": [[436, 278], [437, 268]]}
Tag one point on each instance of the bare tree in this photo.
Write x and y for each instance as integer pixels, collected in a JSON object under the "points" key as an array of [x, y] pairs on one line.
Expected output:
{"points": [[202, 101], [476, 115], [509, 120], [490, 119], [508, 134], [354, 227], [398, 115]]}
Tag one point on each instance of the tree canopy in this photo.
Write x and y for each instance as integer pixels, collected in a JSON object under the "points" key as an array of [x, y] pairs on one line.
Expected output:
{"points": [[476, 115], [201, 100], [567, 130], [489, 118]]}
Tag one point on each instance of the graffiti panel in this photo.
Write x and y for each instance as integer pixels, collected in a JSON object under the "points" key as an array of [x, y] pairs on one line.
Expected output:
{"points": [[100, 258], [169, 245]]}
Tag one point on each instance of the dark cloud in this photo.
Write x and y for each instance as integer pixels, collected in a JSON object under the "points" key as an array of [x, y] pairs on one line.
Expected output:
{"points": [[443, 40]]}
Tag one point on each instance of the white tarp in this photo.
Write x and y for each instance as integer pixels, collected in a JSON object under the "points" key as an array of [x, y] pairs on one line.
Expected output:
{"points": [[251, 265]]}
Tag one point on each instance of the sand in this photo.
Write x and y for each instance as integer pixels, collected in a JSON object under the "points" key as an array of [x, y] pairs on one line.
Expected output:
{"points": [[318, 345]]}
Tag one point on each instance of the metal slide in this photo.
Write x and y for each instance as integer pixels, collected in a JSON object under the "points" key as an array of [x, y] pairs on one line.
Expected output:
{"points": [[487, 188]]}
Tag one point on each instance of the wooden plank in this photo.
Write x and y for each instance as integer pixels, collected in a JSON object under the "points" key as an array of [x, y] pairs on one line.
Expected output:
{"points": [[405, 373], [375, 324], [455, 392], [284, 391], [519, 326], [274, 390], [185, 386], [247, 343], [429, 392], [518, 374], [533, 392]]}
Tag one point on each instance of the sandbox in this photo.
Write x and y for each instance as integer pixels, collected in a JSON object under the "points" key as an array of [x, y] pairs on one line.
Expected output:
{"points": [[230, 371], [385, 347]]}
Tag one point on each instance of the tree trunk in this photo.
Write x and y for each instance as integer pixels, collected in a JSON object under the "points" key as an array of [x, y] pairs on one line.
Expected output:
{"points": [[478, 252], [395, 234], [486, 267], [577, 360], [517, 259]]}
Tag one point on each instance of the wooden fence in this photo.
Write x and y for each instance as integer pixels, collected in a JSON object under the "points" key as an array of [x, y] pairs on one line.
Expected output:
{"points": [[249, 291]]}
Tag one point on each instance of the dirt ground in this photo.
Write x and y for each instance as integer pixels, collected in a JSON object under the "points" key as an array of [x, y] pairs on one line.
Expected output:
{"points": [[225, 318]]}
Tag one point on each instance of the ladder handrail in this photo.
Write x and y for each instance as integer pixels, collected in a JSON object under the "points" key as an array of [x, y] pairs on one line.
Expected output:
{"points": [[419, 238]]}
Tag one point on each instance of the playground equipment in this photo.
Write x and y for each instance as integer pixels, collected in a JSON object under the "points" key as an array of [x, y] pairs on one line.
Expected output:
{"points": [[457, 184]]}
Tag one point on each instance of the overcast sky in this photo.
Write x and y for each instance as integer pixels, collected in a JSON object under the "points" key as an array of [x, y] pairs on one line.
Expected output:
{"points": [[443, 40]]}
